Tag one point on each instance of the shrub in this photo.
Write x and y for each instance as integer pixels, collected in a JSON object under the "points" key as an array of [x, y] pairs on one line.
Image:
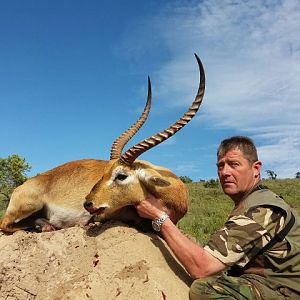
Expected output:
{"points": [[212, 183], [186, 179]]}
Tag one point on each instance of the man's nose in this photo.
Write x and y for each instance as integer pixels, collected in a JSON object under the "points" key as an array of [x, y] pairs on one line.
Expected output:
{"points": [[225, 170]]}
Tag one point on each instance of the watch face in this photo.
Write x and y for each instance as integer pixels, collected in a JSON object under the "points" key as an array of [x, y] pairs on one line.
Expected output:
{"points": [[155, 226]]}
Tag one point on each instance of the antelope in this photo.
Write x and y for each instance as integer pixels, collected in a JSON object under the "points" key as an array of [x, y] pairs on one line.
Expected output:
{"points": [[75, 192]]}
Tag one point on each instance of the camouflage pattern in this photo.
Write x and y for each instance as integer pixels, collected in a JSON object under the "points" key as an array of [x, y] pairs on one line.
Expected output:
{"points": [[250, 226], [240, 288], [244, 235]]}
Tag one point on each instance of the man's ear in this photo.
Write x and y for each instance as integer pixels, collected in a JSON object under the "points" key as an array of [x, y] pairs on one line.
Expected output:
{"points": [[257, 167]]}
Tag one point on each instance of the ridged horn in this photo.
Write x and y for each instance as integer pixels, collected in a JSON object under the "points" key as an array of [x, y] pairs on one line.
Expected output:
{"points": [[131, 155], [121, 141]]}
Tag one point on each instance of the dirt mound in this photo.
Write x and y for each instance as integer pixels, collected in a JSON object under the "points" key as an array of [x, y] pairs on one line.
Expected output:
{"points": [[110, 261]]}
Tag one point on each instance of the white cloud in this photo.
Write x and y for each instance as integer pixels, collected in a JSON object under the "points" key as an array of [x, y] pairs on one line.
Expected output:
{"points": [[251, 53], [251, 50]]}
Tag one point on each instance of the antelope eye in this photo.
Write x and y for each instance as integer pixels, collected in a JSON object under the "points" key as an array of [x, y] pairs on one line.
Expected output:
{"points": [[121, 177]]}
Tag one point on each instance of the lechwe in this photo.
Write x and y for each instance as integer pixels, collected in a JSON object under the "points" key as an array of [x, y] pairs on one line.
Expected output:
{"points": [[72, 193]]}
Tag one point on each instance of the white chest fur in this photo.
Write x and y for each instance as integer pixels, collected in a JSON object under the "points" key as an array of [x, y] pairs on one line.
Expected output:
{"points": [[61, 217]]}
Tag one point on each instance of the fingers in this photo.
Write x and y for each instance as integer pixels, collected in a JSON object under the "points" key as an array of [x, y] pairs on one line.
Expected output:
{"points": [[147, 210]]}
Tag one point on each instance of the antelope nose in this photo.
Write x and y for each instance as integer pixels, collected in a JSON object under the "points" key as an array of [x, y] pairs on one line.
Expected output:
{"points": [[88, 204]]}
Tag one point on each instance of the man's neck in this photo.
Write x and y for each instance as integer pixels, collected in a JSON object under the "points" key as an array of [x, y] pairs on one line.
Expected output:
{"points": [[240, 197]]}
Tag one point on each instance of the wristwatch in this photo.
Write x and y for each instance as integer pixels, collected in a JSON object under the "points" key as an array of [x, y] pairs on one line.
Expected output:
{"points": [[156, 224]]}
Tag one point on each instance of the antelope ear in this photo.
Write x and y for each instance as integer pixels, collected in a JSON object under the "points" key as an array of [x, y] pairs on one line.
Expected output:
{"points": [[159, 181], [152, 178]]}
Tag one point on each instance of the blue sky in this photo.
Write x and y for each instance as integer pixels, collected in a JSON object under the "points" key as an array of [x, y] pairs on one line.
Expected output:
{"points": [[73, 77]]}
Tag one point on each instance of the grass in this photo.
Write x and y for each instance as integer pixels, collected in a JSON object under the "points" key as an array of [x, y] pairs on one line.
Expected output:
{"points": [[209, 207]]}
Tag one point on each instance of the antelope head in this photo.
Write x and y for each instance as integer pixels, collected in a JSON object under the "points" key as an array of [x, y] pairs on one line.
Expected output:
{"points": [[126, 181]]}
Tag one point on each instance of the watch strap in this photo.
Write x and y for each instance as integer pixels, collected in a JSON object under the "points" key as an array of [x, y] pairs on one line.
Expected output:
{"points": [[156, 224]]}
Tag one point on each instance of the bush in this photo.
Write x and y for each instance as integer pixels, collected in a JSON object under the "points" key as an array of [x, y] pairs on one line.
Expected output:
{"points": [[13, 171], [211, 184], [186, 179]]}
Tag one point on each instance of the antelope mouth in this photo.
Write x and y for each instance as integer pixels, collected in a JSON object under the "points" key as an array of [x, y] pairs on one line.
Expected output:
{"points": [[96, 211]]}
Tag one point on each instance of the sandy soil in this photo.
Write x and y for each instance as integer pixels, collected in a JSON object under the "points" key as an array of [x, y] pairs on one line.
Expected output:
{"points": [[110, 261]]}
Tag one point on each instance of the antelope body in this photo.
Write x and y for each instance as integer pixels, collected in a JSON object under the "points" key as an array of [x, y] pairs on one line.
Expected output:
{"points": [[71, 194]]}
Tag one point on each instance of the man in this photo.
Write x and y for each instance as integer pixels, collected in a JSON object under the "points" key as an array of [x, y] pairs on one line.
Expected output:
{"points": [[250, 270]]}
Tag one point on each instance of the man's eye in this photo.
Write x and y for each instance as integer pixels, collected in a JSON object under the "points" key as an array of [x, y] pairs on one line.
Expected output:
{"points": [[121, 177], [234, 164], [220, 166]]}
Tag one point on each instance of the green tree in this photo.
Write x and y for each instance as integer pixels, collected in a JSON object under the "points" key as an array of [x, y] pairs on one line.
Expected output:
{"points": [[297, 175], [12, 174], [186, 179], [272, 175]]}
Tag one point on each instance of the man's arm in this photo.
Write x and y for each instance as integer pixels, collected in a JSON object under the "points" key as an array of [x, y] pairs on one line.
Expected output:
{"points": [[196, 260]]}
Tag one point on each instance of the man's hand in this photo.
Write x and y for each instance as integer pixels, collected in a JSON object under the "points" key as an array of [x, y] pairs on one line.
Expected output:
{"points": [[151, 208]]}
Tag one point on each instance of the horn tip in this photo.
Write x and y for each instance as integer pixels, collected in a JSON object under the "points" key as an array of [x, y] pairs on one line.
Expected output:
{"points": [[197, 57], [149, 86]]}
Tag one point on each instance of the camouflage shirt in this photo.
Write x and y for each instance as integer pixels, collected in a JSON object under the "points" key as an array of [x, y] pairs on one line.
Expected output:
{"points": [[244, 235], [250, 226]]}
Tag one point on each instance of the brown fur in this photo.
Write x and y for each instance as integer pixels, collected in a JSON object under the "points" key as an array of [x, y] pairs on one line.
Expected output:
{"points": [[61, 192]]}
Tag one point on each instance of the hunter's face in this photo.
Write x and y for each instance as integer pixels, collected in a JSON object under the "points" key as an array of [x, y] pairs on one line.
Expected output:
{"points": [[237, 175]]}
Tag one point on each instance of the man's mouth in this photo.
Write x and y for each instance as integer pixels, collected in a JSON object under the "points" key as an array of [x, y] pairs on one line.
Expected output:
{"points": [[227, 183]]}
